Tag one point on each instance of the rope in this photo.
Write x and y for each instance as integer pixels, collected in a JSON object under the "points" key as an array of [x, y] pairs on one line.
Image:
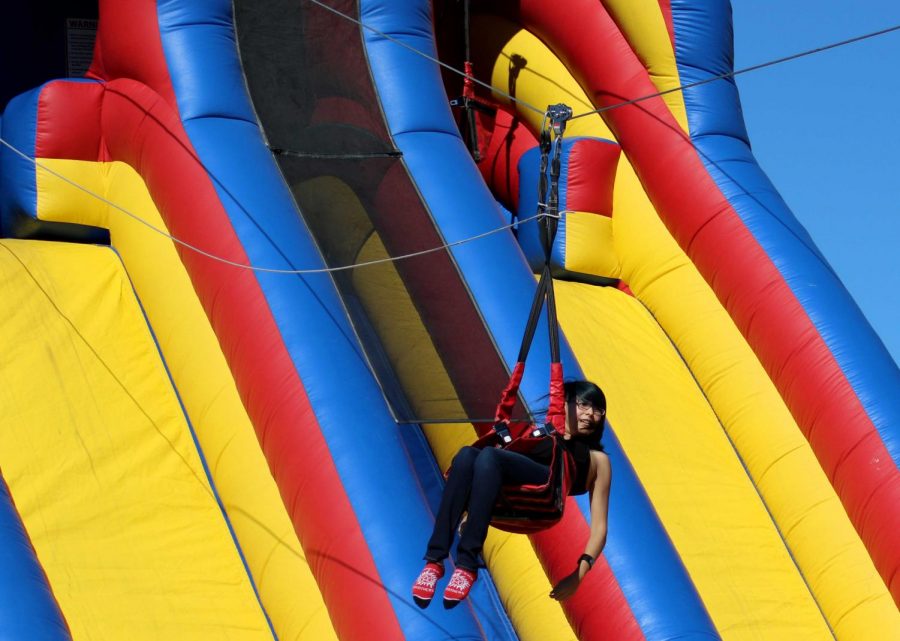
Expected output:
{"points": [[194, 248], [525, 104], [731, 74]]}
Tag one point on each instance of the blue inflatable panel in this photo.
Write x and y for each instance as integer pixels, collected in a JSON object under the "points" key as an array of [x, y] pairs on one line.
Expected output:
{"points": [[19, 130], [29, 608]]}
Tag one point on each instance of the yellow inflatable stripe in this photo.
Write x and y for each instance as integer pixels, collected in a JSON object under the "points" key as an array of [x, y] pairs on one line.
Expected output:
{"points": [[276, 560], [542, 76], [644, 26], [521, 582], [100, 460], [708, 505], [786, 472]]}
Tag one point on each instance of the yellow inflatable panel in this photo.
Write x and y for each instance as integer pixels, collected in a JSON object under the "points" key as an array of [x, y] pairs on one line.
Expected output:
{"points": [[709, 506], [101, 462], [204, 382], [589, 245]]}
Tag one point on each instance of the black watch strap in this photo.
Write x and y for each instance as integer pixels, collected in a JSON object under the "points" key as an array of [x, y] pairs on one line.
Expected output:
{"points": [[588, 558]]}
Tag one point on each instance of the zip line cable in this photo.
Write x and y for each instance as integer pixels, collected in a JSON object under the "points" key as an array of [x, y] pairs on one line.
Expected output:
{"points": [[731, 74], [268, 270], [721, 76], [525, 104]]}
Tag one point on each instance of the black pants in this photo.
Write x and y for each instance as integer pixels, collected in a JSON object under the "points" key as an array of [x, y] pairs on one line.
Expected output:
{"points": [[473, 485]]}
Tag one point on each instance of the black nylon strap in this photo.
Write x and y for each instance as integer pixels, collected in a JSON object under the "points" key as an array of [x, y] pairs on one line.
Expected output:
{"points": [[558, 115], [536, 304], [552, 321], [548, 205]]}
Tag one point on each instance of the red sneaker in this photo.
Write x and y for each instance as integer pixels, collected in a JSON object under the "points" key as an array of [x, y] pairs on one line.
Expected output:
{"points": [[461, 581], [423, 588]]}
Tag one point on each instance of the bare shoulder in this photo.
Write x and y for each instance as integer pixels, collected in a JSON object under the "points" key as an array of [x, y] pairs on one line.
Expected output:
{"points": [[601, 468], [600, 458]]}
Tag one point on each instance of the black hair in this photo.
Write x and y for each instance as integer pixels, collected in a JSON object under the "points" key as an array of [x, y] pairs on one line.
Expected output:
{"points": [[586, 392]]}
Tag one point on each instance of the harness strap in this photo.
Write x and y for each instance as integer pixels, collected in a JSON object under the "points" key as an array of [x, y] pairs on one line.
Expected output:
{"points": [[548, 219]]}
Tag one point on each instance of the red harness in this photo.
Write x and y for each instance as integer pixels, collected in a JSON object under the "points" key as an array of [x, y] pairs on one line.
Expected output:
{"points": [[526, 508]]}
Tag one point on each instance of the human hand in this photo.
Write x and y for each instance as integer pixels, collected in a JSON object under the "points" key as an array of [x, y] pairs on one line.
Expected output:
{"points": [[566, 588]]}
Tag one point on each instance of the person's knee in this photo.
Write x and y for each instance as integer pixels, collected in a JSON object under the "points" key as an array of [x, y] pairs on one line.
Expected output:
{"points": [[488, 460], [466, 457]]}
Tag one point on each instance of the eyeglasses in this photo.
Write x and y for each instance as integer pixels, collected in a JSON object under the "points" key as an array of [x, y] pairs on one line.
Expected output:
{"points": [[584, 406]]}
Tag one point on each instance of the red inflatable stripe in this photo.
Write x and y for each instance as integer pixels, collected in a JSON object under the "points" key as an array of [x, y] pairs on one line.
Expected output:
{"points": [[591, 176], [598, 611], [507, 139]]}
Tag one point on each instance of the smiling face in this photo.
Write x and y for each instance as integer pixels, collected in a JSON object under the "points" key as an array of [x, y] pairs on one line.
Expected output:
{"points": [[582, 417]]}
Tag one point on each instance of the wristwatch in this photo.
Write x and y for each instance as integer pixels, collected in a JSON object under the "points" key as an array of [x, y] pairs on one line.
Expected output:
{"points": [[588, 558]]}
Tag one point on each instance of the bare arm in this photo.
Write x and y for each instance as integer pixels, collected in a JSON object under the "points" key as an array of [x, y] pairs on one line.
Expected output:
{"points": [[602, 473], [599, 481]]}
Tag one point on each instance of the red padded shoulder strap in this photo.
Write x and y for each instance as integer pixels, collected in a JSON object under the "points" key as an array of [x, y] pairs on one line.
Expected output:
{"points": [[508, 397], [556, 412]]}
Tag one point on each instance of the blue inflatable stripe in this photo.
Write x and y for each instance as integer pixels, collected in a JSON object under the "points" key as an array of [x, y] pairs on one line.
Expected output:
{"points": [[502, 286], [30, 610], [703, 36], [623, 553], [370, 456], [19, 130]]}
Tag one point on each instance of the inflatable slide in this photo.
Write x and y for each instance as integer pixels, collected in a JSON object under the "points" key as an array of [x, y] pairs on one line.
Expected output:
{"points": [[268, 261]]}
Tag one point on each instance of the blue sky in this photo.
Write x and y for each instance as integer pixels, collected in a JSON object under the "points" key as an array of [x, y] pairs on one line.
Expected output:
{"points": [[826, 130]]}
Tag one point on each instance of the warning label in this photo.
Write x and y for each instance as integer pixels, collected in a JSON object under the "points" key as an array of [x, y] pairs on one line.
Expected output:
{"points": [[80, 36]]}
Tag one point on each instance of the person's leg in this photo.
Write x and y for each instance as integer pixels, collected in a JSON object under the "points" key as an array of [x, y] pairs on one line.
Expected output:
{"points": [[492, 469], [453, 504]]}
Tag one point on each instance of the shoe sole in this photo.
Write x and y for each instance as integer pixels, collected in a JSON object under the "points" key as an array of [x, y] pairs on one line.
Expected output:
{"points": [[449, 604], [422, 603]]}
